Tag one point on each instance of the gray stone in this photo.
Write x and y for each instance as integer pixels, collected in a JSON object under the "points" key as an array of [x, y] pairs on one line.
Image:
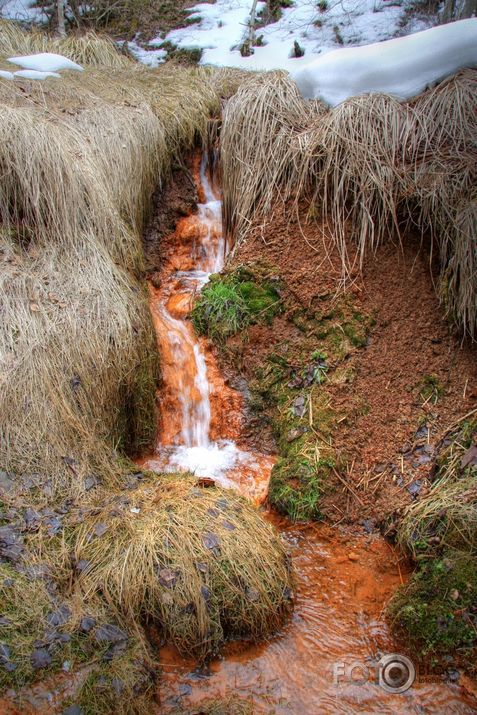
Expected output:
{"points": [[59, 617], [7, 485], [87, 624], [110, 633], [40, 658]]}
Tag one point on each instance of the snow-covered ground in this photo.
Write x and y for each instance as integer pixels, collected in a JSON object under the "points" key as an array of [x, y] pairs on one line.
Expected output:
{"points": [[223, 26], [402, 67], [22, 10]]}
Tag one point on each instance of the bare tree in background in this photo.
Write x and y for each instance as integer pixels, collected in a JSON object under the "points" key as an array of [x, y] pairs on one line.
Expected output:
{"points": [[60, 14]]}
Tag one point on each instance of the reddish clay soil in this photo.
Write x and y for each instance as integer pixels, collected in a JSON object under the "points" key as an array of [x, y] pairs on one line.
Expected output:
{"points": [[389, 457]]}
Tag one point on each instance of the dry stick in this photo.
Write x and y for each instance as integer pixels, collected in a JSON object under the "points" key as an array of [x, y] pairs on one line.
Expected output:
{"points": [[348, 486], [461, 419]]}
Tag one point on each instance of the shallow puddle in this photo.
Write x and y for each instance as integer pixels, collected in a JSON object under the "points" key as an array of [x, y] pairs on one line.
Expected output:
{"points": [[336, 636]]}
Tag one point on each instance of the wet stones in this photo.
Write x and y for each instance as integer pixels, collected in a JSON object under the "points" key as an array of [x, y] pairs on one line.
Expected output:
{"points": [[11, 544]]}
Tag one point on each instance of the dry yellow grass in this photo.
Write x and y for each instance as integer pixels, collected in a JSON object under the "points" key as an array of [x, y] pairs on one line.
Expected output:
{"points": [[201, 563], [80, 158]]}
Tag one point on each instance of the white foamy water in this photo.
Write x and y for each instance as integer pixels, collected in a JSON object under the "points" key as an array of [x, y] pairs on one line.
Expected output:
{"points": [[192, 449]]}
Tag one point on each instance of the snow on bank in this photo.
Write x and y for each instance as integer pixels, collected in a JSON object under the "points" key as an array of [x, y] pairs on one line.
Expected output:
{"points": [[40, 66], [223, 26], [45, 62], [402, 67]]}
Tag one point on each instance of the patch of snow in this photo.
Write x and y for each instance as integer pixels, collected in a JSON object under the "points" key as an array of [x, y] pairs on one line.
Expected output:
{"points": [[35, 74], [22, 10], [6, 75], [45, 62], [402, 67], [150, 58], [223, 26]]}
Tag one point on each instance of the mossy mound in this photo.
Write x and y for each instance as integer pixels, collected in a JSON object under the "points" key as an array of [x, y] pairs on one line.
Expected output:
{"points": [[437, 611], [234, 300], [201, 563]]}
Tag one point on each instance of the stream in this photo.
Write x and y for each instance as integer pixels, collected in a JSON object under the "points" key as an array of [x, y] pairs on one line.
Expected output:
{"points": [[325, 660]]}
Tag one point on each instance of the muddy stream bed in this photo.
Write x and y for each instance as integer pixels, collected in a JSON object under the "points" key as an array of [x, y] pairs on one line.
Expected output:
{"points": [[325, 660]]}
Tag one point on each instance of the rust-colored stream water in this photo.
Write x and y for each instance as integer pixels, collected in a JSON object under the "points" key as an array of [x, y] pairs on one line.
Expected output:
{"points": [[343, 580]]}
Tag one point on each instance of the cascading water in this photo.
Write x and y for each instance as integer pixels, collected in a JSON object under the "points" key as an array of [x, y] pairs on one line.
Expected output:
{"points": [[338, 619], [189, 396]]}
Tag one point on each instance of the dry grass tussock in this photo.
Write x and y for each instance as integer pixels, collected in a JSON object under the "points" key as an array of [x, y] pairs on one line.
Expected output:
{"points": [[372, 165], [79, 159], [447, 516], [201, 563], [90, 49]]}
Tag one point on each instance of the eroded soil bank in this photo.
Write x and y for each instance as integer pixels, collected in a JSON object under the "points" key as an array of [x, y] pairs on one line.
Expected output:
{"points": [[384, 426]]}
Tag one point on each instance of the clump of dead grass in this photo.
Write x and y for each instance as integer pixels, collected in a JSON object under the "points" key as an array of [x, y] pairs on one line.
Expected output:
{"points": [[80, 159], [374, 166], [447, 516], [202, 563], [90, 49]]}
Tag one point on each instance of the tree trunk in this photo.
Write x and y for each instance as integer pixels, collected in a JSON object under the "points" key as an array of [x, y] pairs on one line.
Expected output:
{"points": [[60, 7], [469, 9], [251, 29]]}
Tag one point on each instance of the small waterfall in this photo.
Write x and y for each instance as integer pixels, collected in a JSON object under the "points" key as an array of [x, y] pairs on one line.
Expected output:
{"points": [[185, 441]]}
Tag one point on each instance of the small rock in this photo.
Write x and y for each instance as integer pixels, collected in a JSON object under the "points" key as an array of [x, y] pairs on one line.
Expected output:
{"points": [[11, 543], [205, 593], [40, 658], [4, 621], [66, 666], [252, 594], [453, 675], [202, 567], [228, 525], [100, 529], [82, 565], [73, 710], [184, 689], [114, 651], [299, 406], [294, 434], [222, 504], [32, 519], [131, 481], [213, 512], [353, 557], [168, 577], [109, 633], [415, 488], [87, 624], [59, 617], [454, 594], [53, 525], [470, 457], [368, 525], [118, 685], [7, 485], [210, 540], [91, 482]]}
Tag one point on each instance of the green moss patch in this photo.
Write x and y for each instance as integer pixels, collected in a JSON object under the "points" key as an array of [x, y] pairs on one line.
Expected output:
{"points": [[437, 611], [231, 302]]}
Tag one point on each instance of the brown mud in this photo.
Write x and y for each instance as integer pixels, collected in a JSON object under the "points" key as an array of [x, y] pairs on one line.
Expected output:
{"points": [[389, 432]]}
